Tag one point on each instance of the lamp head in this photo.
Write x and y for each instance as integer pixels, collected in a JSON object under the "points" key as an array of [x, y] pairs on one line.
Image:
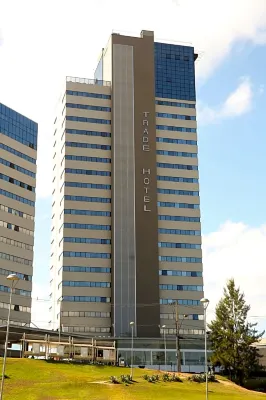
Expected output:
{"points": [[164, 326], [132, 323], [205, 302], [12, 277]]}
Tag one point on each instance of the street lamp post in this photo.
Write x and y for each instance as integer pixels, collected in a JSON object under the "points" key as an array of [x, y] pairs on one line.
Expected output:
{"points": [[164, 328], [14, 279], [132, 344], [205, 303]]}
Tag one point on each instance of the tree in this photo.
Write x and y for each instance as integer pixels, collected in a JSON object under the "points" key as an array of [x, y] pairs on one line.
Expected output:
{"points": [[232, 336]]}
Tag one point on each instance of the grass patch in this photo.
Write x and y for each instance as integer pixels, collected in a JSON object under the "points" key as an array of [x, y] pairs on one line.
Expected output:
{"points": [[38, 380]]}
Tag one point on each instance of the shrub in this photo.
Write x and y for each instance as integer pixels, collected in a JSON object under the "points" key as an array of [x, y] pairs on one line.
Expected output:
{"points": [[113, 379], [146, 377], [201, 378], [126, 379], [176, 378], [166, 377]]}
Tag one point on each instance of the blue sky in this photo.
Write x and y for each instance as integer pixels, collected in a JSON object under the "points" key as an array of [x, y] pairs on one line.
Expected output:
{"points": [[42, 44]]}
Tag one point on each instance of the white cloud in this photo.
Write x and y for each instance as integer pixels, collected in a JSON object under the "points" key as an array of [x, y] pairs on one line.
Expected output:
{"points": [[36, 55], [236, 251], [237, 103]]}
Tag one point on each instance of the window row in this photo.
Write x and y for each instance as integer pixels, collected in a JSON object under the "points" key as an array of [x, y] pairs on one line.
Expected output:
{"points": [[178, 218], [88, 107], [87, 226], [85, 254], [176, 116], [87, 172], [17, 198], [16, 228], [177, 166], [181, 302], [90, 314], [172, 331], [194, 317], [180, 259], [176, 141], [88, 159], [177, 205], [179, 245], [88, 133], [17, 183], [17, 153], [88, 199], [175, 128], [177, 179], [87, 299], [15, 307], [86, 240], [87, 284], [19, 260], [16, 243], [192, 274], [16, 212], [87, 269], [196, 288], [90, 120], [17, 168], [174, 104], [88, 94], [88, 212], [20, 292], [178, 192], [16, 130], [88, 185], [176, 153], [83, 329], [23, 277], [178, 232], [88, 145]]}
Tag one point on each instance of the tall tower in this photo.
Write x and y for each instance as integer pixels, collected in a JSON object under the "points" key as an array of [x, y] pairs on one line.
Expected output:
{"points": [[127, 233], [18, 153]]}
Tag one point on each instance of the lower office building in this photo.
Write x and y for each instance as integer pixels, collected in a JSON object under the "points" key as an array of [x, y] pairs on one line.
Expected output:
{"points": [[126, 231], [18, 153]]}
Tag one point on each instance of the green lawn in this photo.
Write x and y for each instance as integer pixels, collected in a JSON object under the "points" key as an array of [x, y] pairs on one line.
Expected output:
{"points": [[39, 380]]}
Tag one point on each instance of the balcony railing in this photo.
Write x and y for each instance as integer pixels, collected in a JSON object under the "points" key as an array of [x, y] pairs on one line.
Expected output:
{"points": [[88, 81]]}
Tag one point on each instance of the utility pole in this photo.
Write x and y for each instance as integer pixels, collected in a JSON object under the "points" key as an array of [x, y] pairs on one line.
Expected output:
{"points": [[177, 342]]}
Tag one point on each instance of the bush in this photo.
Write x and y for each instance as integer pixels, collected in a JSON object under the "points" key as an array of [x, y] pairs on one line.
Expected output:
{"points": [[176, 378], [166, 377], [126, 379], [201, 378], [146, 377], [113, 379]]}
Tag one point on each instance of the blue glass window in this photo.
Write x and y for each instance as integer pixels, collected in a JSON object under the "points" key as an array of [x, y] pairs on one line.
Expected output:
{"points": [[178, 192], [88, 107], [87, 284], [88, 212], [86, 240], [172, 245], [174, 71], [17, 168], [90, 120], [197, 288], [180, 259], [175, 128], [177, 205], [17, 198], [88, 199], [194, 274], [177, 179], [16, 182], [18, 127], [87, 226], [181, 302], [88, 185], [88, 159], [176, 141], [83, 254], [178, 218], [88, 145], [86, 269], [176, 116], [88, 94], [177, 166], [88, 133], [179, 232], [87, 172], [174, 104], [176, 153], [89, 299], [17, 153]]}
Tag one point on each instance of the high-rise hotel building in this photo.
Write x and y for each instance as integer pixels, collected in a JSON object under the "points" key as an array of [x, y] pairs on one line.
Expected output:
{"points": [[18, 153], [126, 231]]}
